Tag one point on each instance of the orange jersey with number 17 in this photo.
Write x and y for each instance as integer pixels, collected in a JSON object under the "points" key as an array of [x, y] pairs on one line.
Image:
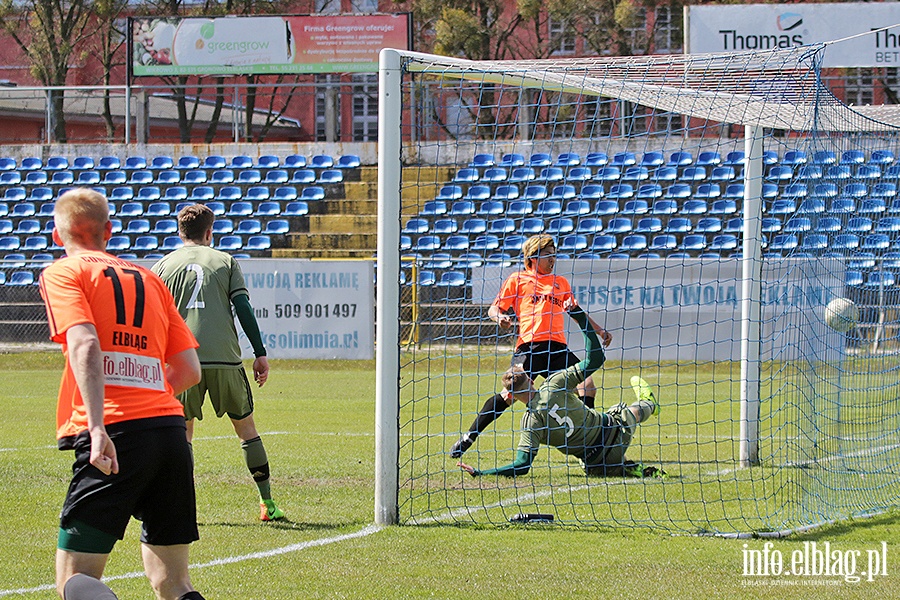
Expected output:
{"points": [[538, 301], [138, 327]]}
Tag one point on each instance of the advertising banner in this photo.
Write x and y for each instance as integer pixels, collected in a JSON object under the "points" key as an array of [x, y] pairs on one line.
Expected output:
{"points": [[658, 310], [737, 27], [265, 45], [311, 309]]}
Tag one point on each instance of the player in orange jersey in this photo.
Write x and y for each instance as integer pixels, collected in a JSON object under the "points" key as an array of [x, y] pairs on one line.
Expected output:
{"points": [[536, 297], [128, 352]]}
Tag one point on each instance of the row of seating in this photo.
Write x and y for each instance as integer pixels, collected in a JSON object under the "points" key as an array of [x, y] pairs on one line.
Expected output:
{"points": [[163, 208], [169, 177], [246, 240], [680, 158], [187, 162]]}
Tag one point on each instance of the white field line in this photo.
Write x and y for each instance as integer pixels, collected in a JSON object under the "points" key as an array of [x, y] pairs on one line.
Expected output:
{"points": [[365, 531], [805, 463]]}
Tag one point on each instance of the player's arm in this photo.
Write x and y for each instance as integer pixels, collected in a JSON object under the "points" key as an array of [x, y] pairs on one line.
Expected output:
{"points": [[594, 355], [86, 362], [245, 315], [520, 466], [183, 370]]}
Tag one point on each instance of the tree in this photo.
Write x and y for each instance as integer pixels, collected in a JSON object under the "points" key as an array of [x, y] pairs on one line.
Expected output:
{"points": [[49, 32]]}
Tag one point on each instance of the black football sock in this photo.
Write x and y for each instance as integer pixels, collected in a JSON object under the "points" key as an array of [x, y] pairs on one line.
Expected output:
{"points": [[588, 401], [492, 409]]}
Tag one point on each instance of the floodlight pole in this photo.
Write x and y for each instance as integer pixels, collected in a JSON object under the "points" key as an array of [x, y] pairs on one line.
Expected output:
{"points": [[751, 276], [387, 312]]}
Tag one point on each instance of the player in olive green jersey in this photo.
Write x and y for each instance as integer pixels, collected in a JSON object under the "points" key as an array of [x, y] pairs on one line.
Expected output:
{"points": [[557, 417], [205, 283]]}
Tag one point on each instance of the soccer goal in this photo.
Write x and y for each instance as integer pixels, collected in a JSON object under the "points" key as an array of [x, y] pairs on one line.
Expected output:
{"points": [[705, 210]]}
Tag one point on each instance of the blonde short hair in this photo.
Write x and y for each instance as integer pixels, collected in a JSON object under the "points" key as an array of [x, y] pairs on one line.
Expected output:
{"points": [[533, 246], [81, 215]]}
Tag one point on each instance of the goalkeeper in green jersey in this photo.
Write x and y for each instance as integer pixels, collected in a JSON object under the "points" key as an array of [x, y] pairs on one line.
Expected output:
{"points": [[206, 283], [557, 417]]}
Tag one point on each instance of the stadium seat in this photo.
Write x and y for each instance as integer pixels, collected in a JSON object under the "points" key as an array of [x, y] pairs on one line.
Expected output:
{"points": [[634, 242], [170, 243], [20, 278], [249, 176], [837, 172], [665, 173], [23, 209], [888, 225], [663, 242], [277, 227], [131, 209], [31, 163], [165, 227], [88, 178], [276, 177], [137, 226], [228, 243], [724, 242], [456, 243], [884, 190], [240, 209], [547, 208], [652, 158], [694, 207], [531, 225], [222, 177], [693, 242], [10, 178], [267, 209], [161, 163], [27, 227], [490, 207], [679, 225], [213, 162], [664, 206], [7, 163], [10, 242], [44, 194], [680, 158], [478, 192], [114, 177], [735, 158], [14, 194], [780, 173], [175, 193], [635, 207], [248, 227], [868, 172], [678, 190], [330, 176], [841, 206], [36, 178], [845, 241], [722, 173], [551, 174], [535, 191], [573, 243], [591, 191], [579, 174], [708, 158], [797, 224], [875, 241], [811, 206], [348, 161], [321, 161], [506, 192], [603, 243], [567, 159], [465, 207], [823, 157], [216, 206], [636, 174], [782, 207], [501, 226], [118, 242], [513, 243], [445, 226], [257, 193], [794, 157], [141, 177], [693, 174], [6, 226], [241, 161], [829, 224], [872, 206], [606, 207], [194, 177], [485, 242], [56, 163], [725, 206], [515, 208], [783, 242], [617, 225], [814, 242], [223, 226], [608, 174], [432, 207], [562, 192], [186, 163], [560, 225], [511, 160], [589, 225], [708, 225], [473, 226], [881, 157], [825, 190], [312, 192], [522, 174], [596, 159], [294, 161], [880, 279], [620, 191], [795, 191], [648, 225], [540, 160], [853, 157], [268, 161], [201, 193], [415, 225], [577, 207], [649, 191]]}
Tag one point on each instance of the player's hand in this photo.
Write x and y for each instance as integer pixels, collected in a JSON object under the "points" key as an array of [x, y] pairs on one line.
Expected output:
{"points": [[570, 303], [466, 468], [260, 370], [504, 321], [605, 337], [103, 452]]}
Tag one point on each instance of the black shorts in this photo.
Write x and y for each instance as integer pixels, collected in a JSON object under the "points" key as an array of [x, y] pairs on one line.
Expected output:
{"points": [[544, 358], [155, 483]]}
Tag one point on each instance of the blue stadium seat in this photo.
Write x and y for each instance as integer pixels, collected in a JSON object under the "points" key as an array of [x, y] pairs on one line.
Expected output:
{"points": [[608, 174], [694, 207], [577, 207], [415, 225], [277, 227], [296, 208], [240, 209], [456, 243], [596, 159], [693, 174], [14, 194], [573, 242], [664, 206], [284, 194], [23, 209], [680, 158], [591, 191], [31, 163], [248, 227], [478, 192], [810, 173], [216, 206], [724, 242], [222, 177], [783, 242], [532, 225], [160, 163], [268, 161], [512, 160], [517, 208], [482, 161], [693, 242], [134, 163], [330, 176], [539, 160], [649, 191], [579, 174], [634, 242], [881, 157], [229, 193], [652, 158], [6, 226], [257, 193], [464, 207], [548, 208], [535, 191], [36, 178], [617, 225], [679, 225], [141, 177], [10, 242], [845, 241], [241, 161], [868, 172], [567, 159], [522, 174], [663, 242], [551, 174], [795, 191], [884, 190], [136, 226], [635, 207], [313, 192], [563, 192], [7, 163], [214, 161], [513, 243], [560, 225], [872, 206], [665, 173], [131, 209], [824, 157], [445, 226], [432, 207], [170, 243], [490, 207], [814, 243], [708, 225], [228, 243], [606, 207], [620, 191], [780, 173], [194, 177], [734, 190], [506, 192], [797, 224], [783, 207], [175, 193], [56, 163], [853, 278], [321, 161], [88, 178], [201, 193], [501, 226], [485, 242], [853, 157], [450, 192], [249, 176], [294, 161], [679, 190], [735, 158], [636, 174], [603, 243], [267, 209], [114, 177], [589, 225], [770, 157], [875, 241], [811, 206], [186, 163], [165, 227], [829, 224], [19, 278], [44, 194], [473, 226], [725, 206], [10, 178], [825, 190], [27, 227], [888, 225], [708, 158], [842, 206], [223, 226], [838, 172], [794, 157], [118, 242], [648, 225]]}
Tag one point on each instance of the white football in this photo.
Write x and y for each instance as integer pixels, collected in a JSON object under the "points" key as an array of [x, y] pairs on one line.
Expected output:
{"points": [[841, 314]]}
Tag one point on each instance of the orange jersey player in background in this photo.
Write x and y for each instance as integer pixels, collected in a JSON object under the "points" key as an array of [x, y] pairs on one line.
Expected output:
{"points": [[537, 298]]}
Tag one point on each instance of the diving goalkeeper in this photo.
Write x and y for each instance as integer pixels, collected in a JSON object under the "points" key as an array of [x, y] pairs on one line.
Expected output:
{"points": [[557, 417]]}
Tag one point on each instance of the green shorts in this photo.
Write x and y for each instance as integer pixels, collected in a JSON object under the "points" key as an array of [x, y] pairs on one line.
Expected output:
{"points": [[608, 459], [229, 393]]}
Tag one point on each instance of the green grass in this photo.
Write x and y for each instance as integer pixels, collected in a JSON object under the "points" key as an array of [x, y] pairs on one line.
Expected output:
{"points": [[317, 420]]}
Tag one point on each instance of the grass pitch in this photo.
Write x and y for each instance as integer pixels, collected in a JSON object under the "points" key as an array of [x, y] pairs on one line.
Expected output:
{"points": [[316, 419]]}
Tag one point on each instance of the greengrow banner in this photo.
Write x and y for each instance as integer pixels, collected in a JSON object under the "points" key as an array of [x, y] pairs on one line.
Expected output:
{"points": [[263, 45]]}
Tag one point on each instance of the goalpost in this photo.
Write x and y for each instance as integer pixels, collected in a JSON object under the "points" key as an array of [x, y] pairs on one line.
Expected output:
{"points": [[703, 209]]}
